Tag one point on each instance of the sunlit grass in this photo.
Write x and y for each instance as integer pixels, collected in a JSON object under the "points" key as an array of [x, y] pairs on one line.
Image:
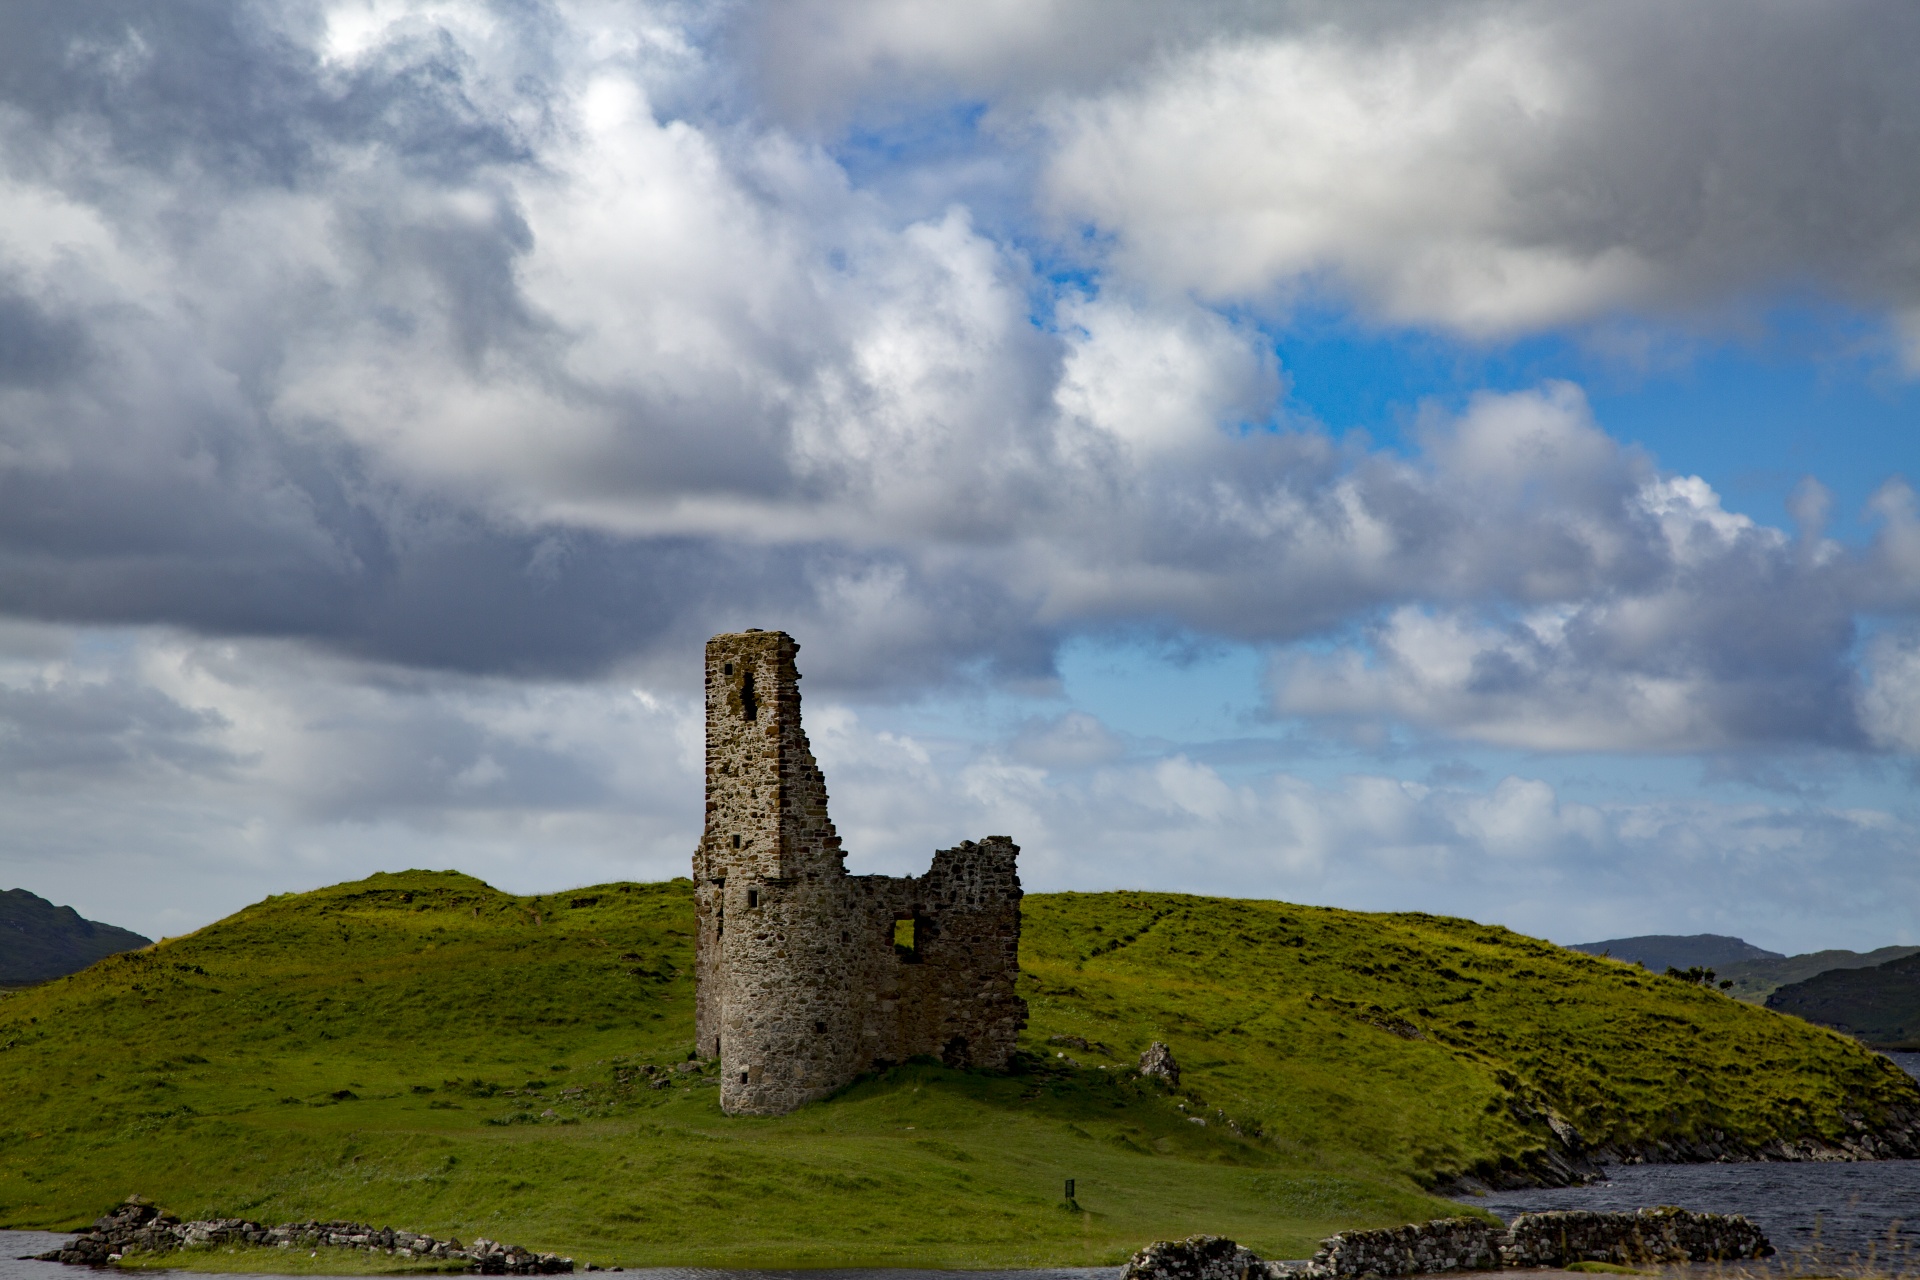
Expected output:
{"points": [[421, 1051]]}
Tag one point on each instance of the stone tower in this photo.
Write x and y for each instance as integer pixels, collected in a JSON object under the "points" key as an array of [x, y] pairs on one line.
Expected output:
{"points": [[805, 976]]}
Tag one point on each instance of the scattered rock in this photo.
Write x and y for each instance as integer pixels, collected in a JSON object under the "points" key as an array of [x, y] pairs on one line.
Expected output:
{"points": [[1158, 1061], [1195, 1258], [138, 1226]]}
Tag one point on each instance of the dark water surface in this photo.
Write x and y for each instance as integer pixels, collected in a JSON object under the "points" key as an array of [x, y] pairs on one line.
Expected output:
{"points": [[1839, 1213], [1812, 1212]]}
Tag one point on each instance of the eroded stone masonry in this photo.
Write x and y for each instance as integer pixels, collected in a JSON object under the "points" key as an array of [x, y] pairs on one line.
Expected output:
{"points": [[807, 976]]}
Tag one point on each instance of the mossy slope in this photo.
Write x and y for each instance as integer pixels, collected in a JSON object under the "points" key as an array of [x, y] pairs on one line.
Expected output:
{"points": [[1881, 1004], [1444, 1045], [423, 1050]]}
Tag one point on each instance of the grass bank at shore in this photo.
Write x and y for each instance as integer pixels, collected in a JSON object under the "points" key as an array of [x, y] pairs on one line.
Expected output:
{"points": [[423, 1051]]}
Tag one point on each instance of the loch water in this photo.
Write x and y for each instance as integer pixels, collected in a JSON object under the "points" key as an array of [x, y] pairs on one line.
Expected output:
{"points": [[1819, 1216]]}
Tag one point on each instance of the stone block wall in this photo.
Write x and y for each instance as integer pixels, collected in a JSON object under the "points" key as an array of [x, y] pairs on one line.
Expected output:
{"points": [[1539, 1240], [800, 984], [1532, 1240]]}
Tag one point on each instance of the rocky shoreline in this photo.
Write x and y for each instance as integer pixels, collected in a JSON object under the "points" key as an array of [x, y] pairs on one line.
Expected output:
{"points": [[137, 1226], [1570, 1162], [1532, 1240]]}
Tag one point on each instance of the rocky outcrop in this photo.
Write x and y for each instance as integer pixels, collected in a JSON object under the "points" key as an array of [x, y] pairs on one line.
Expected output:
{"points": [[1195, 1258], [1566, 1159], [1471, 1244], [1158, 1062], [1897, 1138], [137, 1226]]}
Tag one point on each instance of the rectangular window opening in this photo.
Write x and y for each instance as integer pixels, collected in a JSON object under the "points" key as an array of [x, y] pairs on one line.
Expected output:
{"points": [[906, 939], [736, 842], [753, 897]]}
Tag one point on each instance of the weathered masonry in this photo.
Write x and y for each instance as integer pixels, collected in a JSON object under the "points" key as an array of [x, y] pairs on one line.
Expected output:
{"points": [[807, 976]]}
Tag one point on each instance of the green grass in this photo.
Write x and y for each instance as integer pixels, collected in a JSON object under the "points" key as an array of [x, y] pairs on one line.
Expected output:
{"points": [[422, 1051]]}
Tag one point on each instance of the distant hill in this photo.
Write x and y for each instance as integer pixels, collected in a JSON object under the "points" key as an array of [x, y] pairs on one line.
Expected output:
{"points": [[1880, 1005], [1755, 980], [1660, 951], [39, 941], [423, 1050]]}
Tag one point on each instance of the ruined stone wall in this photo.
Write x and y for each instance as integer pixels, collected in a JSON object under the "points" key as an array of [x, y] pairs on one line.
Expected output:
{"points": [[1531, 1241], [800, 985], [951, 995]]}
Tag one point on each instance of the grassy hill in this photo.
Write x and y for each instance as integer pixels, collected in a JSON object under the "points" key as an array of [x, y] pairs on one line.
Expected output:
{"points": [[39, 941], [422, 1050], [1880, 1005], [1661, 951], [1755, 980]]}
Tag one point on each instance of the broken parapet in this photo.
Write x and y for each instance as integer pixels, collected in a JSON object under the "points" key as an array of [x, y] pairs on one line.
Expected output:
{"points": [[1472, 1244], [137, 1226]]}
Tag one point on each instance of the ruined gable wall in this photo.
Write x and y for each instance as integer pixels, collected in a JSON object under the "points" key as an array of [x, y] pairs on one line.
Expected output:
{"points": [[799, 986], [954, 999]]}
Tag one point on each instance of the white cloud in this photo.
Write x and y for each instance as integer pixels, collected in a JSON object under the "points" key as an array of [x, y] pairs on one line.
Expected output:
{"points": [[1497, 168], [1162, 386], [238, 769], [406, 355], [1890, 704], [1515, 852]]}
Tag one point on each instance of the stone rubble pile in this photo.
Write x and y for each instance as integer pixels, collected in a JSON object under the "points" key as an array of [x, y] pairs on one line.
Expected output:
{"points": [[1195, 1258], [1470, 1244], [139, 1227], [1158, 1061]]}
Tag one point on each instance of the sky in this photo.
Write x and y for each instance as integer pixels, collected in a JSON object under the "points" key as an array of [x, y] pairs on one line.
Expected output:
{"points": [[1453, 457]]}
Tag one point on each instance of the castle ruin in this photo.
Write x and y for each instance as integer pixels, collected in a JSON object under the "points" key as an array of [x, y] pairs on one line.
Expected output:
{"points": [[806, 976]]}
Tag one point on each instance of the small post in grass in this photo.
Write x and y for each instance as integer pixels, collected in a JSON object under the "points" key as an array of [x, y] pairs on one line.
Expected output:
{"points": [[1071, 1202]]}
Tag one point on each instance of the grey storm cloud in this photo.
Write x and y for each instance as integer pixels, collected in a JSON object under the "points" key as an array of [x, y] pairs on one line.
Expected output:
{"points": [[104, 727], [513, 339]]}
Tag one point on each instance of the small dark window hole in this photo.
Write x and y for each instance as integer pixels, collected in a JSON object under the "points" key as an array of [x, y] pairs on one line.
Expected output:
{"points": [[749, 709], [753, 897], [729, 668], [743, 1077], [820, 1028], [736, 842]]}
